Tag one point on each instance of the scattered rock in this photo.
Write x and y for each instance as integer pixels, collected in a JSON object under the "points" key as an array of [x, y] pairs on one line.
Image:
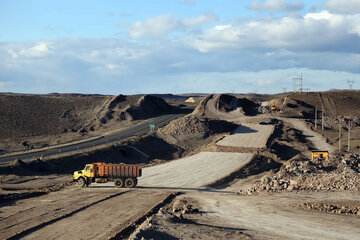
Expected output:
{"points": [[191, 124], [338, 173]]}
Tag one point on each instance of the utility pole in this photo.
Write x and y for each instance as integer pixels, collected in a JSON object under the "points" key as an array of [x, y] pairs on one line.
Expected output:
{"points": [[350, 82], [315, 118], [339, 134], [349, 127], [322, 117]]}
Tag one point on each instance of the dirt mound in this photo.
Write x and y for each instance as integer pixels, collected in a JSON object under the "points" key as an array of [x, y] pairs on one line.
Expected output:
{"points": [[340, 173], [32, 121], [228, 103], [191, 124], [225, 103], [249, 107], [148, 106], [344, 103], [34, 115], [200, 108], [155, 147]]}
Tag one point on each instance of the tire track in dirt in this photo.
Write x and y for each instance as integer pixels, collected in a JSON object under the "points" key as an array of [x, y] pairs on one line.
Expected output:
{"points": [[104, 220], [33, 218]]}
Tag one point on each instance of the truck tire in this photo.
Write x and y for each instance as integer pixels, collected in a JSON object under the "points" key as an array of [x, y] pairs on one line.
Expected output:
{"points": [[81, 182], [119, 182], [130, 182]]}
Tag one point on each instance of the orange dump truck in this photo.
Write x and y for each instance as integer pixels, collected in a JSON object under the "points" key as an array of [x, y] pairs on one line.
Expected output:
{"points": [[123, 175]]}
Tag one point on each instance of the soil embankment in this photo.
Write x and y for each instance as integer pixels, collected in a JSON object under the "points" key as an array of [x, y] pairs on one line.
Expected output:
{"points": [[33, 121]]}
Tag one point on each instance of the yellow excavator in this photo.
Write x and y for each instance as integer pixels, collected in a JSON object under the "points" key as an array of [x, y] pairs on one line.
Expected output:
{"points": [[274, 108]]}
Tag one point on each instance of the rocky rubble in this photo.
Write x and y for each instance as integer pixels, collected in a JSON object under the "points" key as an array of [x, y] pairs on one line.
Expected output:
{"points": [[338, 173], [191, 124], [332, 208]]}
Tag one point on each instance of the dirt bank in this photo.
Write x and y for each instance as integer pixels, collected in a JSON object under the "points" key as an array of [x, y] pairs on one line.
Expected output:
{"points": [[32, 121]]}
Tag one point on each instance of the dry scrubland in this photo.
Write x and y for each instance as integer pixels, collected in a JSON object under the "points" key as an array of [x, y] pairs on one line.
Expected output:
{"points": [[225, 187]]}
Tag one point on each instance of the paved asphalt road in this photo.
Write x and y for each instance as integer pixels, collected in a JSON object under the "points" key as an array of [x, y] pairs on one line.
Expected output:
{"points": [[137, 130]]}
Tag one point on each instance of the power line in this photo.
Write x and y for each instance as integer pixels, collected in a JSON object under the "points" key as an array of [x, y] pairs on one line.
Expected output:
{"points": [[350, 83], [298, 83]]}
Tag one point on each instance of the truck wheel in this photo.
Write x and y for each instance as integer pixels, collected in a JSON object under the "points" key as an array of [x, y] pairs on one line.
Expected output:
{"points": [[81, 182], [130, 183], [119, 182]]}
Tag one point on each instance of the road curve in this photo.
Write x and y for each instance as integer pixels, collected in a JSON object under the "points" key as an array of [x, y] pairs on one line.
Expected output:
{"points": [[136, 130]]}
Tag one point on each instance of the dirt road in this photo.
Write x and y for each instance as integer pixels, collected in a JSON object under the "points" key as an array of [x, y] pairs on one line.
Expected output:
{"points": [[211, 110], [194, 171], [101, 210], [317, 139], [248, 135], [95, 213], [278, 216]]}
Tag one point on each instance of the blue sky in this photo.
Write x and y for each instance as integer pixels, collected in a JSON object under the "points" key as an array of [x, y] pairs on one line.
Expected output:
{"points": [[139, 46]]}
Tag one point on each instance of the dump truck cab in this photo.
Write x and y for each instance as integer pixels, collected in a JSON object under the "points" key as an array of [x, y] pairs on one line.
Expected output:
{"points": [[319, 155], [82, 176]]}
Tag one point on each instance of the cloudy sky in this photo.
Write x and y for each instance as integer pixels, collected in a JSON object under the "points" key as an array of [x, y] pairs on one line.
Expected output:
{"points": [[175, 46]]}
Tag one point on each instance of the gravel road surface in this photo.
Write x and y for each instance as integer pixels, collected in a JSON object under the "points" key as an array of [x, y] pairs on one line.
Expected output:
{"points": [[194, 171], [248, 135]]}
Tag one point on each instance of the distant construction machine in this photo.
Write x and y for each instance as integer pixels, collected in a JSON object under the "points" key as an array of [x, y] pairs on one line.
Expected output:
{"points": [[319, 155], [123, 175], [274, 108]]}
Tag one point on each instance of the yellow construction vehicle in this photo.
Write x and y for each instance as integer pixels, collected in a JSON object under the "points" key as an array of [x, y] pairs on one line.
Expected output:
{"points": [[319, 155], [274, 108], [123, 175]]}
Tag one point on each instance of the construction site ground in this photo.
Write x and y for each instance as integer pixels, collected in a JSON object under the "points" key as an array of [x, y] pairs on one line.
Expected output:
{"points": [[202, 208], [248, 135]]}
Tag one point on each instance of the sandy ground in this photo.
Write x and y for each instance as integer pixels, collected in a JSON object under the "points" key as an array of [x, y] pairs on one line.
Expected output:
{"points": [[248, 135], [277, 216], [194, 171]]}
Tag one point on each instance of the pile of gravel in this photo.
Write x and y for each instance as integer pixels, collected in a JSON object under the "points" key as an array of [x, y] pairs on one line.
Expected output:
{"points": [[340, 173], [332, 208], [191, 124]]}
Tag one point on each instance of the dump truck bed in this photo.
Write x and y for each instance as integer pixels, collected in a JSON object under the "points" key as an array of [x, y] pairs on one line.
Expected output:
{"points": [[117, 170]]}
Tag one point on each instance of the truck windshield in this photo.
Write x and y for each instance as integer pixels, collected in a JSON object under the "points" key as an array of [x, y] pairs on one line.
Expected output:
{"points": [[87, 168]]}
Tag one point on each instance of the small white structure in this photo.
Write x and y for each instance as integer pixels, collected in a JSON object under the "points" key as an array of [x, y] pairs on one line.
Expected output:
{"points": [[265, 103], [190, 100]]}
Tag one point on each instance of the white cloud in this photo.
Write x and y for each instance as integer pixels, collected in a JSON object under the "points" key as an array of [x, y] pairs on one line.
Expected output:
{"points": [[322, 31], [344, 6], [154, 27], [92, 65], [39, 50], [264, 82], [206, 18], [277, 6], [13, 53], [163, 25]]}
